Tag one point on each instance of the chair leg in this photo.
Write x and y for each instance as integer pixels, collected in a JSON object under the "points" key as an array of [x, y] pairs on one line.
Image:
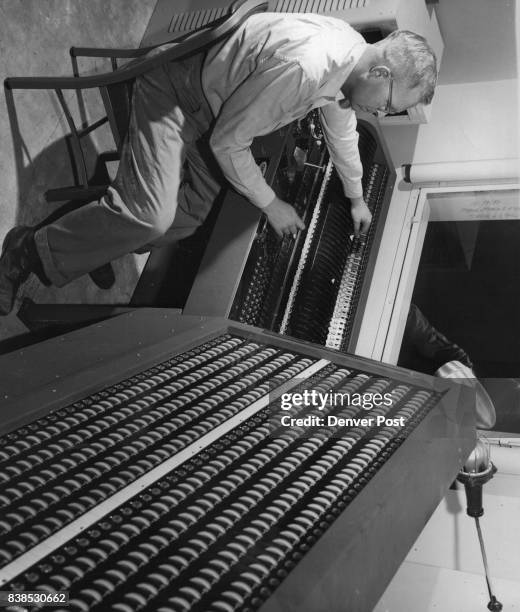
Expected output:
{"points": [[78, 155], [109, 156]]}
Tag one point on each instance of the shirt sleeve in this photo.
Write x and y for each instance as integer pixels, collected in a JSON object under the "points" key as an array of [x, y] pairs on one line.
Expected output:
{"points": [[262, 103], [339, 128]]}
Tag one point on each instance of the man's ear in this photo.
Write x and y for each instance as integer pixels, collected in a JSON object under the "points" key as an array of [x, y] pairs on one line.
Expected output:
{"points": [[380, 72]]}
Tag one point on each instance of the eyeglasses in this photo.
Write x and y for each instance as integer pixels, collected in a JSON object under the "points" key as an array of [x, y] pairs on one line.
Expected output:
{"points": [[384, 111]]}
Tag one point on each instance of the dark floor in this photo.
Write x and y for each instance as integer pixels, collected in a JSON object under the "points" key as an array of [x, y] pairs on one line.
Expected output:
{"points": [[35, 36]]}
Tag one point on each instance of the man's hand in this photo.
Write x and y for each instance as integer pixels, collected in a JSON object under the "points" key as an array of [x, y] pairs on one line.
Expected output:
{"points": [[283, 217], [361, 216]]}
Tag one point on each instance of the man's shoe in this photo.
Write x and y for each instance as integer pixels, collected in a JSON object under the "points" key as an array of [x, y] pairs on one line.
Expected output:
{"points": [[104, 276], [18, 259]]}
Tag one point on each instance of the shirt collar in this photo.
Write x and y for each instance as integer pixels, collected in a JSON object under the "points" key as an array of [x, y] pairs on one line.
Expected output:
{"points": [[353, 58]]}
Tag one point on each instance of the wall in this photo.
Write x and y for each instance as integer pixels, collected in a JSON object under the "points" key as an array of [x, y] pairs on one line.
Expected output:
{"points": [[35, 36], [470, 121], [476, 106], [480, 40]]}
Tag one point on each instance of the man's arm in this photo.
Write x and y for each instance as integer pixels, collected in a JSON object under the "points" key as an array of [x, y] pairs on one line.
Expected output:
{"points": [[339, 129], [261, 104]]}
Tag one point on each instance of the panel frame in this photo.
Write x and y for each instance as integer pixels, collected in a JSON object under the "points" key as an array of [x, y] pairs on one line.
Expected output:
{"points": [[372, 531]]}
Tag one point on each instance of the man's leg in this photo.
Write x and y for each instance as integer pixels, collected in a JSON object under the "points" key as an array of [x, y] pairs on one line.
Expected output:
{"points": [[138, 207], [197, 194]]}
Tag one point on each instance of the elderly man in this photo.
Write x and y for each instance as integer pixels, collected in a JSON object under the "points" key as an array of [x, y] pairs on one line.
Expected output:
{"points": [[208, 108]]}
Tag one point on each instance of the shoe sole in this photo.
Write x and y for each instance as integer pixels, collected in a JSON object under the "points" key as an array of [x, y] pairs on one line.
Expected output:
{"points": [[9, 239]]}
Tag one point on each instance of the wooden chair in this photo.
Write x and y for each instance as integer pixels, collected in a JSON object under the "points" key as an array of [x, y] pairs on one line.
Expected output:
{"points": [[115, 88]]}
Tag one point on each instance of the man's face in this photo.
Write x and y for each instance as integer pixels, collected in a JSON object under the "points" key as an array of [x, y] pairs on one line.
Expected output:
{"points": [[377, 91]]}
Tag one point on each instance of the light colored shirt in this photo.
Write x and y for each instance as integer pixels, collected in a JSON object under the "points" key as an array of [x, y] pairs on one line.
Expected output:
{"points": [[273, 70]]}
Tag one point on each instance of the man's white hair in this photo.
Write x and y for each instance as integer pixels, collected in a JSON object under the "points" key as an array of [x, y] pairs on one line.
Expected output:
{"points": [[411, 60]]}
